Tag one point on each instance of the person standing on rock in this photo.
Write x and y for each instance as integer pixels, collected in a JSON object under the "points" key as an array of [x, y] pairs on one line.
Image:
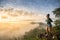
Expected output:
{"points": [[49, 23]]}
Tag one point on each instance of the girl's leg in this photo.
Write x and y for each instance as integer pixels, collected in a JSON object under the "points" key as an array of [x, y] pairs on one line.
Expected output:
{"points": [[50, 29], [47, 30]]}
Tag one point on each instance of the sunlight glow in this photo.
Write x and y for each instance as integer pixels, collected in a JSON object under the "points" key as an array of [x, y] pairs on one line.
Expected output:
{"points": [[16, 15], [16, 22]]}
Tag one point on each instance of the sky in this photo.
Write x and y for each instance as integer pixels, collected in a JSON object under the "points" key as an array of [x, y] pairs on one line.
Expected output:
{"points": [[38, 6]]}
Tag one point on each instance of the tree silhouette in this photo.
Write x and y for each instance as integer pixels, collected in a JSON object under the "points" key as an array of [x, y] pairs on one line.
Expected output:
{"points": [[57, 12]]}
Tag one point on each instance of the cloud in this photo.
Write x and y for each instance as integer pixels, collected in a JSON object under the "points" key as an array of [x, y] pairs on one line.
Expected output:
{"points": [[13, 14], [43, 6]]}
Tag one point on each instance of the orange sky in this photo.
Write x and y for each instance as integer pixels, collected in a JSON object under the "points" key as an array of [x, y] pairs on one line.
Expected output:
{"points": [[17, 22]]}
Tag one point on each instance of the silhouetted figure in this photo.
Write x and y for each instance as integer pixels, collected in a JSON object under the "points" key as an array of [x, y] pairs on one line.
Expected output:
{"points": [[49, 25]]}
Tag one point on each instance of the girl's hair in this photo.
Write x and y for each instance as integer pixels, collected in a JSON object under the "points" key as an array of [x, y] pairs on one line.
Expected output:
{"points": [[48, 15]]}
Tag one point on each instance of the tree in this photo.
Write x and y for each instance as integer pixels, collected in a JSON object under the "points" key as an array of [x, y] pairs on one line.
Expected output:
{"points": [[56, 12]]}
